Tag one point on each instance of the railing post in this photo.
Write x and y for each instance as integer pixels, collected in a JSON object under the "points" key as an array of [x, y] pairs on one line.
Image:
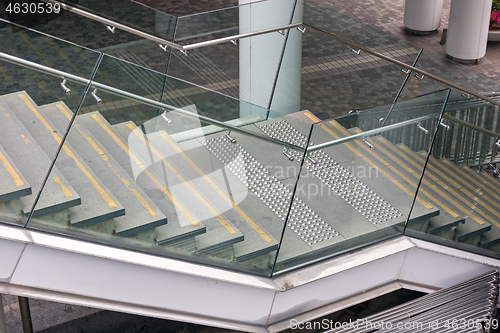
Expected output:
{"points": [[24, 307], [3, 328]]}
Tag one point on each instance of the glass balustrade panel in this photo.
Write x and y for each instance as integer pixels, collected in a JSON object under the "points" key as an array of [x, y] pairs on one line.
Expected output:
{"points": [[358, 191]]}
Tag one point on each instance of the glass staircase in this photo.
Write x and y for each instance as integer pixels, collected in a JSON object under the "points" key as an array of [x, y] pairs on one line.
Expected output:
{"points": [[113, 151]]}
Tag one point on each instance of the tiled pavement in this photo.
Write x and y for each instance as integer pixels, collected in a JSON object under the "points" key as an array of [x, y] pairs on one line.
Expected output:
{"points": [[336, 74]]}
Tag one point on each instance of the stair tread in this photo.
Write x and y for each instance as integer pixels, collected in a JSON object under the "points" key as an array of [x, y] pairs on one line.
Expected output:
{"points": [[442, 192], [490, 238], [14, 185], [471, 229], [33, 163], [253, 246], [444, 222], [168, 234], [137, 216], [98, 203], [216, 239]]}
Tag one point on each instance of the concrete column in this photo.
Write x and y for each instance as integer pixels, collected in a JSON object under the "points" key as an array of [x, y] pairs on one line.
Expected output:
{"points": [[3, 327], [24, 308], [468, 29], [260, 57], [423, 15]]}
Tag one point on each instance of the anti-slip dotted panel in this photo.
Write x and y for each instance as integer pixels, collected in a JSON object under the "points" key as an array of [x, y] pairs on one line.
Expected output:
{"points": [[340, 180], [303, 221]]}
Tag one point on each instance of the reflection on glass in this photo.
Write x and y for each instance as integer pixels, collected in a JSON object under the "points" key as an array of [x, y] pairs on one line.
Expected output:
{"points": [[235, 20], [165, 180], [244, 68]]}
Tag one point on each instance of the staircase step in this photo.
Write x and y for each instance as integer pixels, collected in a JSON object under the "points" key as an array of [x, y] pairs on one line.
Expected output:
{"points": [[490, 239], [14, 185], [216, 239], [444, 222], [98, 203], [473, 226], [33, 163], [462, 195], [253, 247], [169, 234], [469, 231], [482, 181], [140, 213], [182, 157]]}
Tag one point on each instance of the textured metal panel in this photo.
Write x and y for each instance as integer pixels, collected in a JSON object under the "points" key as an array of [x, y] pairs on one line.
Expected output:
{"points": [[342, 182]]}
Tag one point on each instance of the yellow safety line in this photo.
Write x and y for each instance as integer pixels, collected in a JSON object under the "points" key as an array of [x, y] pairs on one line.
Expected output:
{"points": [[441, 193], [465, 175], [431, 167], [37, 80], [67, 193], [223, 195], [311, 116], [392, 179], [142, 167], [30, 44], [217, 216], [68, 152], [465, 191], [5, 75], [25, 139], [487, 182], [136, 194], [17, 180], [56, 48]]}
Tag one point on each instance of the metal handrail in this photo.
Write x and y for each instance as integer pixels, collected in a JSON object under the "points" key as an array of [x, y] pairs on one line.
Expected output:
{"points": [[374, 131], [160, 105], [472, 126], [115, 24], [240, 36], [184, 48], [122, 93], [162, 41]]}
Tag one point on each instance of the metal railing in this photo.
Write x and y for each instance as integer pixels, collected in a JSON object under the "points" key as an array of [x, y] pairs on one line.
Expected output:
{"points": [[224, 126], [96, 85], [165, 42]]}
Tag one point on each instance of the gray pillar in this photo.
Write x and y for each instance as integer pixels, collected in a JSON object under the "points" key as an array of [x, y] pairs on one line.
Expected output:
{"points": [[3, 328], [24, 307], [260, 57]]}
